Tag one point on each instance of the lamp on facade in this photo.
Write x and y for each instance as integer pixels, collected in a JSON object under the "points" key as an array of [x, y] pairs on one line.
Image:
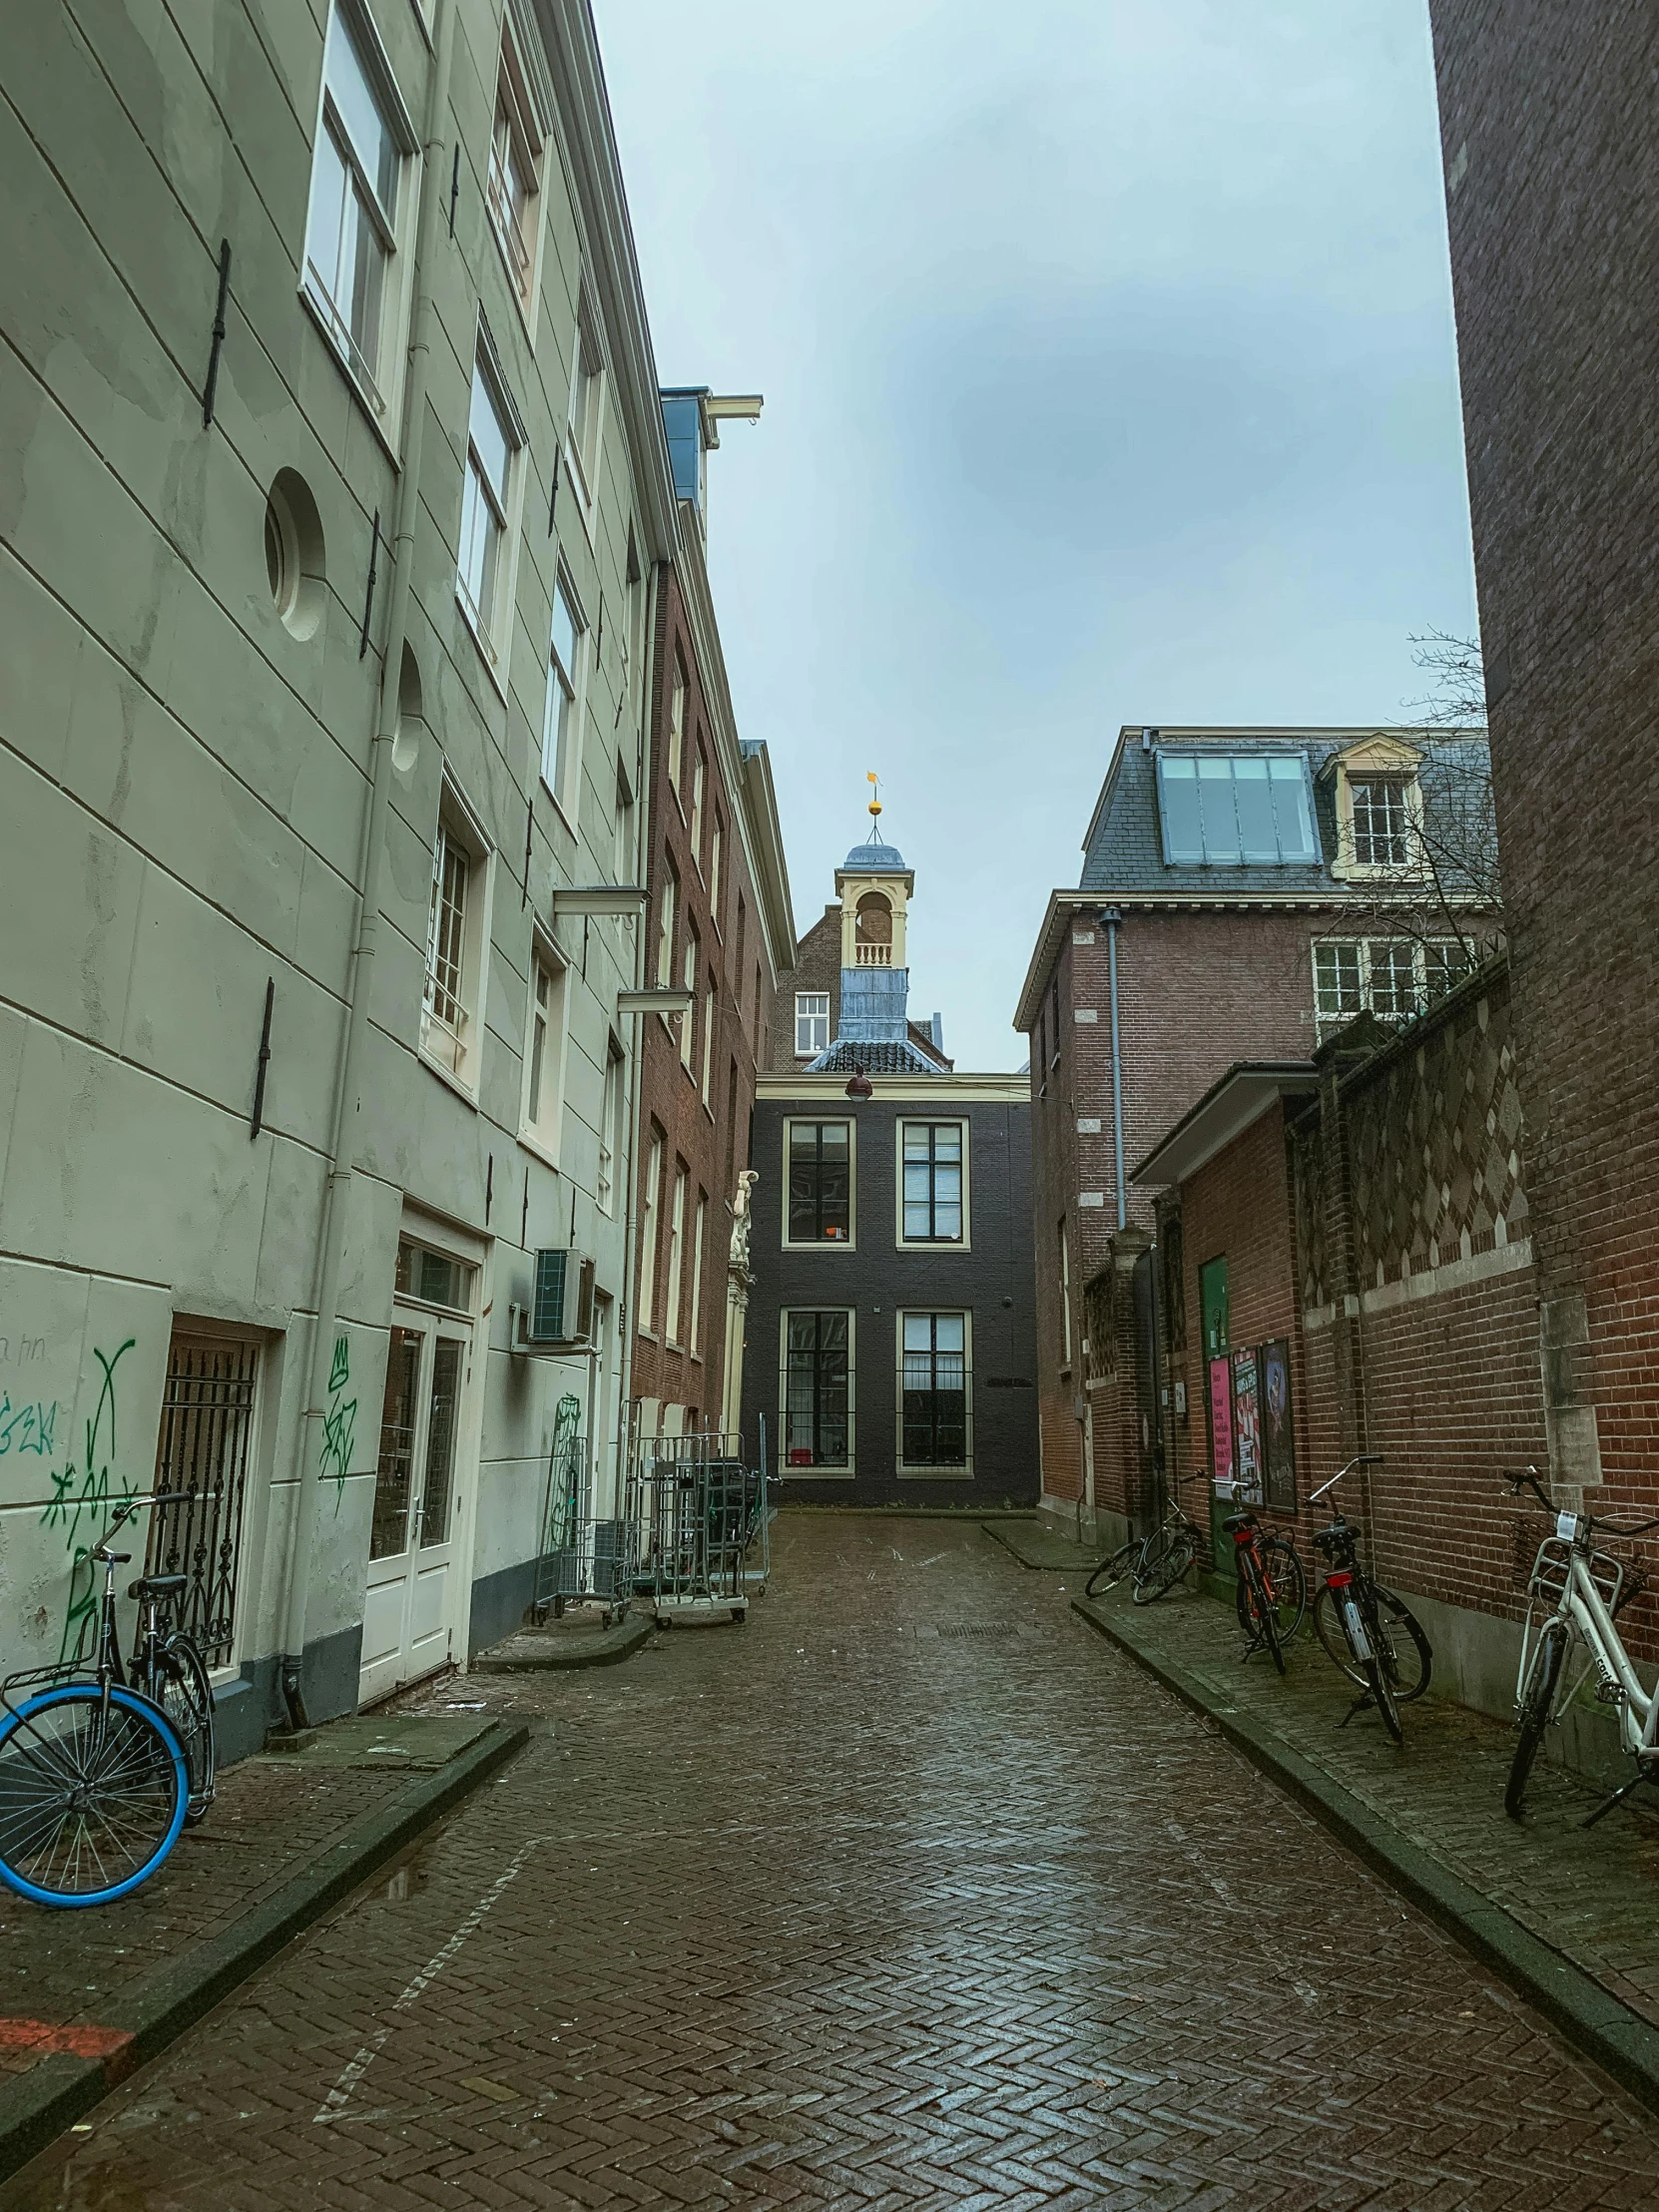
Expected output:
{"points": [[858, 1086]]}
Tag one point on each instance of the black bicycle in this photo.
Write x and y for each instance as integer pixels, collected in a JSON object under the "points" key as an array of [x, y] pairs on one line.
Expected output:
{"points": [[104, 1761], [1366, 1628], [1153, 1563]]}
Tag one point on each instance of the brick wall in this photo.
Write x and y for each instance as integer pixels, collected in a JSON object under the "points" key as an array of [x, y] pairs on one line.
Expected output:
{"points": [[1552, 143], [709, 1140], [817, 968]]}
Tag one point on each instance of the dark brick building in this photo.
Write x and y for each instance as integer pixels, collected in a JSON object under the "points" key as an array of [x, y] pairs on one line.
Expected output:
{"points": [[718, 925], [890, 1347], [1243, 892], [1551, 144]]}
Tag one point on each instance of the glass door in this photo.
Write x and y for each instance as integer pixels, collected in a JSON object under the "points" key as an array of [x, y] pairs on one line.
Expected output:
{"points": [[406, 1608]]}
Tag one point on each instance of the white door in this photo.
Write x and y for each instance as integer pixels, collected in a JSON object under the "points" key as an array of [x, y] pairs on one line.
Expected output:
{"points": [[406, 1608]]}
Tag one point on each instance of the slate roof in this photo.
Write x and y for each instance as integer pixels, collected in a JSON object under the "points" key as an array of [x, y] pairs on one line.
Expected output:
{"points": [[875, 1059], [1124, 852]]}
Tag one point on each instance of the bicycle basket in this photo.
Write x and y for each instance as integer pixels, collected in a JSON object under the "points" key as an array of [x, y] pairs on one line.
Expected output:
{"points": [[1553, 1565]]}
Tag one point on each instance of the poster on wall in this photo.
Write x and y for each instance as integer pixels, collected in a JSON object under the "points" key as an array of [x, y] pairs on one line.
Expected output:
{"points": [[1221, 1421], [1247, 1427], [1278, 1432]]}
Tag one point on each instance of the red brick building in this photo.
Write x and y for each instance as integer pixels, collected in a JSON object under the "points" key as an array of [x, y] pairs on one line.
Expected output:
{"points": [[1243, 892], [1551, 144], [717, 926]]}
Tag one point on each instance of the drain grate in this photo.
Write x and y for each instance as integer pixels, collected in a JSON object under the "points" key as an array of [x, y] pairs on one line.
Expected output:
{"points": [[981, 1628]]}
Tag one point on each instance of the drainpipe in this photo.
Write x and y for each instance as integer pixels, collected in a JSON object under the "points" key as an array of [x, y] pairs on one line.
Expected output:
{"points": [[342, 1138], [1111, 917]]}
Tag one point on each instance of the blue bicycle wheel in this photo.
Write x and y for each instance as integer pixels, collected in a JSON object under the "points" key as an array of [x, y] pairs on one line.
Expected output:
{"points": [[91, 1795]]}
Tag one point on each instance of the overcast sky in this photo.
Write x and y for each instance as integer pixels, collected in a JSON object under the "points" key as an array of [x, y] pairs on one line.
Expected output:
{"points": [[1109, 378]]}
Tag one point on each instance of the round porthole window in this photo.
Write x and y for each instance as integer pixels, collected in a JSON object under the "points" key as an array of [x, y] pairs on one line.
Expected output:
{"points": [[294, 557]]}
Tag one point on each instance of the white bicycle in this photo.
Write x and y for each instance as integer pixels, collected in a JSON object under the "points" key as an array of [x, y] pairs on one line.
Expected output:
{"points": [[1579, 1591]]}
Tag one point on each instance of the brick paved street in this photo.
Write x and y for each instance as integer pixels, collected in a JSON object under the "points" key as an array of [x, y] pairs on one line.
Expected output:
{"points": [[914, 1892]]}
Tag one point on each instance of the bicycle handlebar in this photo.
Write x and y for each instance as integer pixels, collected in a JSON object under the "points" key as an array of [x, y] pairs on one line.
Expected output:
{"points": [[131, 1508], [1359, 1460], [1527, 1479]]}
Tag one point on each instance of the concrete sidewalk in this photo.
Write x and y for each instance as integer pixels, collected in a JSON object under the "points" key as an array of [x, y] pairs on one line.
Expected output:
{"points": [[85, 1996], [1569, 1916]]}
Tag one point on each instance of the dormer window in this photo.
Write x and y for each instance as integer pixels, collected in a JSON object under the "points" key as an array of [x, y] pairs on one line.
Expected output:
{"points": [[1379, 812], [1235, 810]]}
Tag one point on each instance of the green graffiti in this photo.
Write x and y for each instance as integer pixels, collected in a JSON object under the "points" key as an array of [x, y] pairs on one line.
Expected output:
{"points": [[28, 1427], [339, 1423], [86, 1493]]}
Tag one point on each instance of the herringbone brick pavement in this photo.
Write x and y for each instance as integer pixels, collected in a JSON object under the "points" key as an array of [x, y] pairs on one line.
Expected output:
{"points": [[911, 1892]]}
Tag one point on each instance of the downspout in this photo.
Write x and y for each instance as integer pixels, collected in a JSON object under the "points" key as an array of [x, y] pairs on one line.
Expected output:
{"points": [[341, 1144], [1112, 917]]}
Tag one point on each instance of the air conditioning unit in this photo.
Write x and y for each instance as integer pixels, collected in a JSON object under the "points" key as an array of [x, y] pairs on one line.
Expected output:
{"points": [[559, 1315]]}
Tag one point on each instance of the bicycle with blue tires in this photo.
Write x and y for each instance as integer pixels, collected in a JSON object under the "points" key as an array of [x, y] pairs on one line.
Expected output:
{"points": [[105, 1761]]}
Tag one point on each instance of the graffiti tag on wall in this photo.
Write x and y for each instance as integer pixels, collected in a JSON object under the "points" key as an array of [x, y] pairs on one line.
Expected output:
{"points": [[84, 1492], [339, 1423], [30, 1426]]}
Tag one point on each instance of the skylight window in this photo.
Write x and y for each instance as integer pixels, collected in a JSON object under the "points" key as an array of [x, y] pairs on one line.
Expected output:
{"points": [[1243, 810]]}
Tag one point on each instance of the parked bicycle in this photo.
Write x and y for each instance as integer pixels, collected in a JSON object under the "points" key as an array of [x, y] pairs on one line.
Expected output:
{"points": [[103, 1762], [1271, 1591], [1581, 1592], [1154, 1563], [1366, 1628]]}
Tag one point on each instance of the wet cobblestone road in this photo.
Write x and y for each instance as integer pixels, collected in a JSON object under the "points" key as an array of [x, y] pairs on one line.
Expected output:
{"points": [[911, 1892]]}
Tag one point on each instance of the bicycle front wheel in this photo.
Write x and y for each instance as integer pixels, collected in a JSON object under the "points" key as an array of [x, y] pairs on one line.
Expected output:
{"points": [[186, 1698], [93, 1794], [1537, 1699], [1165, 1571], [1403, 1647], [1111, 1572]]}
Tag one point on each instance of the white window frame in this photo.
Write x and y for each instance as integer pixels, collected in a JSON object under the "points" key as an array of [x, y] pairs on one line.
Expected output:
{"points": [[564, 709], [906, 1242], [585, 420], [700, 775], [691, 964], [677, 729], [1066, 1339], [490, 625], [823, 1244], [813, 1013], [1365, 949], [667, 923], [650, 1204], [518, 132], [452, 1014], [708, 999], [1374, 761], [379, 382], [700, 1222], [717, 856], [841, 1470], [541, 1131], [925, 1471], [675, 1298], [610, 1126]]}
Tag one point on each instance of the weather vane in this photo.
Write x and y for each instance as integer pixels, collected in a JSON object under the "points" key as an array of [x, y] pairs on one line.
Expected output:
{"points": [[876, 795]]}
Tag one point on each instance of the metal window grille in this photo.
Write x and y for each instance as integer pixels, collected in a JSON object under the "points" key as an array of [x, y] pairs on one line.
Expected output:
{"points": [[203, 1452], [935, 1381], [1381, 823], [817, 1375]]}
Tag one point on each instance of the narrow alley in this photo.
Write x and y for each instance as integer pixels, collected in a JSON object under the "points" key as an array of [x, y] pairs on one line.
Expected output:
{"points": [[913, 1891]]}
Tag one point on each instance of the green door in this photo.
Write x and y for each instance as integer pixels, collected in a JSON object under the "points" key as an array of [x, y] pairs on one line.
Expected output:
{"points": [[1217, 1400]]}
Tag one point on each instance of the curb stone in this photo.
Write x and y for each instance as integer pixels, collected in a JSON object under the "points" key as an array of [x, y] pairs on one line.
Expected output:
{"points": [[607, 1649], [1590, 2016], [37, 2106]]}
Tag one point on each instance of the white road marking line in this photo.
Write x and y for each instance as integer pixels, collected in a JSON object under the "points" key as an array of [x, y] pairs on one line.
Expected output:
{"points": [[335, 2103]]}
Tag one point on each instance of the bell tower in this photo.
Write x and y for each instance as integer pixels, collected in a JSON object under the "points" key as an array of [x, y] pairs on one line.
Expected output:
{"points": [[875, 887]]}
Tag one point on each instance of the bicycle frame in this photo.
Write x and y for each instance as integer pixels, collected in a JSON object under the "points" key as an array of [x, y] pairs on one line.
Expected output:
{"points": [[1583, 1609]]}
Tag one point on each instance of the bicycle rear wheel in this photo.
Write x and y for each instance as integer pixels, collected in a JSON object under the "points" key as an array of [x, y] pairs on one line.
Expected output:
{"points": [[1537, 1698], [1285, 1583], [1382, 1697], [1165, 1570], [1403, 1647], [92, 1794], [1111, 1571], [186, 1698]]}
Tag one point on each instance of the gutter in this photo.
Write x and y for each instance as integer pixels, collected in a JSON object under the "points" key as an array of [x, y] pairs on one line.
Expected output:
{"points": [[343, 1136]]}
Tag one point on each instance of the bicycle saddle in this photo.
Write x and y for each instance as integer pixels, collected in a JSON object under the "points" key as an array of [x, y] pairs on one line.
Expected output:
{"points": [[1235, 1521], [156, 1586]]}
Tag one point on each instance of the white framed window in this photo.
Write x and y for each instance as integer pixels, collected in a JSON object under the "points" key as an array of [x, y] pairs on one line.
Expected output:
{"points": [[649, 1207], [356, 218], [492, 442], [709, 997], [450, 1026], [544, 1051], [610, 1128], [668, 901], [1381, 820], [932, 1172], [690, 963], [694, 1336], [699, 771], [1063, 1242], [717, 854], [677, 727], [817, 1390], [811, 1024], [587, 403], [935, 1393], [1391, 978], [512, 191], [561, 730], [676, 1254], [1379, 812]]}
